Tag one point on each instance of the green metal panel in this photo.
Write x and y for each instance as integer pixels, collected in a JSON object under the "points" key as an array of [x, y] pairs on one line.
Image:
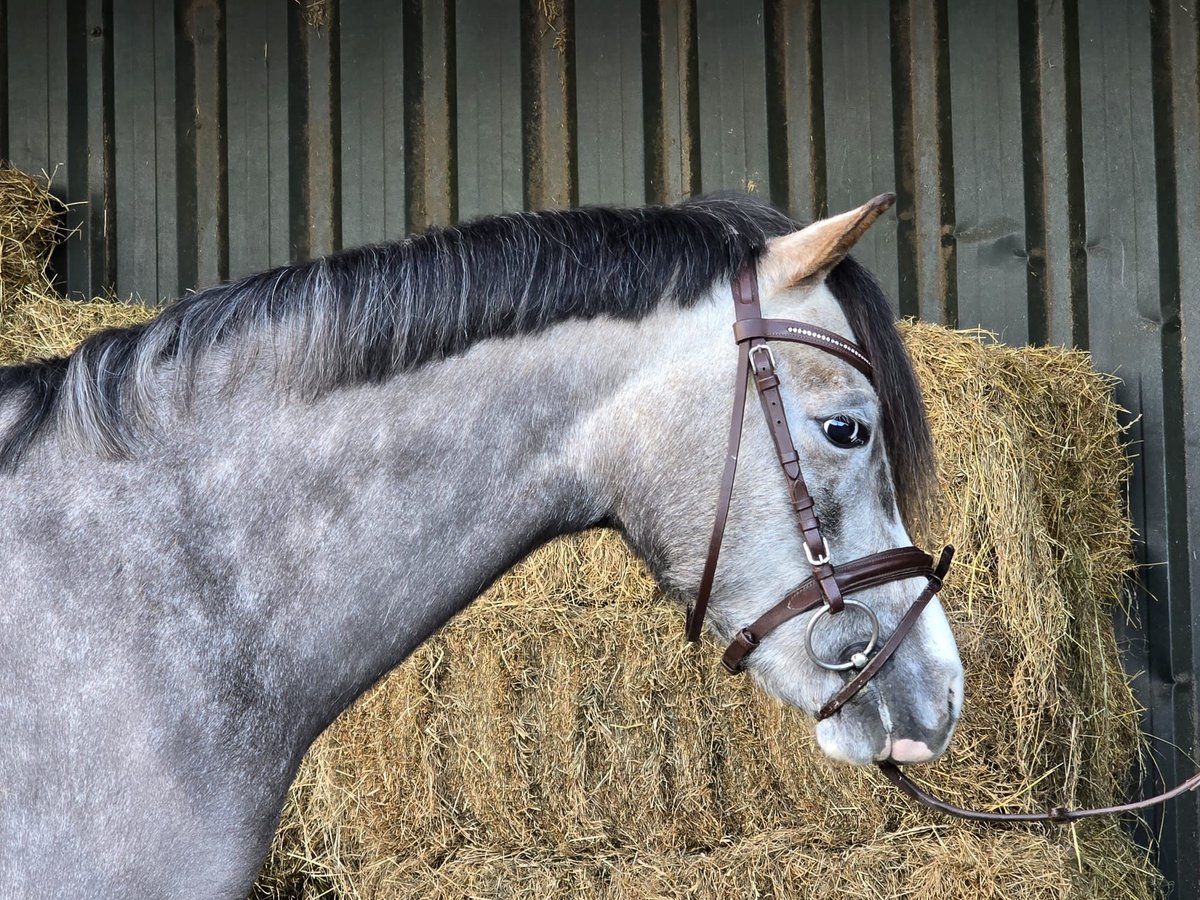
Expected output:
{"points": [[1044, 153], [256, 136], [429, 113], [90, 262], [796, 107], [203, 193], [1052, 113], [1133, 329], [144, 138], [608, 99], [989, 193], [491, 165], [547, 94], [731, 48], [859, 138], [1173, 462], [672, 99], [371, 92], [927, 285]]}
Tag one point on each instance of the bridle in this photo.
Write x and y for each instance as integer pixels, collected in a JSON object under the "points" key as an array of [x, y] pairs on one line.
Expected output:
{"points": [[827, 590]]}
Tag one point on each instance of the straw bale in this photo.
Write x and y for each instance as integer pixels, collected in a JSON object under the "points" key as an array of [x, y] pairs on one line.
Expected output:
{"points": [[558, 739], [34, 320], [28, 233]]}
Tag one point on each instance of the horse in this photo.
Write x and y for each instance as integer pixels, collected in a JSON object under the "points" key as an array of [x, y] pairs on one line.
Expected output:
{"points": [[223, 525]]}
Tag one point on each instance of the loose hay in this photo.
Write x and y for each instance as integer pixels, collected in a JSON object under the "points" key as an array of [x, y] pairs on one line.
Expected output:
{"points": [[38, 326], [559, 739]]}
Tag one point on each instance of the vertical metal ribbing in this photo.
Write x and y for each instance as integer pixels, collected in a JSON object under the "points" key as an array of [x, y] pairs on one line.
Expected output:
{"points": [[989, 169], [201, 143], [489, 116], [795, 108], [314, 131], [670, 99], [91, 256], [927, 281], [1174, 655], [548, 94], [860, 145], [430, 155], [258, 90], [1054, 172], [608, 97], [145, 163], [732, 55]]}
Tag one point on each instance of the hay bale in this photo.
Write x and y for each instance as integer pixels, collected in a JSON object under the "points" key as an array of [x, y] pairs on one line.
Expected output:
{"points": [[559, 739], [28, 233], [34, 320]]}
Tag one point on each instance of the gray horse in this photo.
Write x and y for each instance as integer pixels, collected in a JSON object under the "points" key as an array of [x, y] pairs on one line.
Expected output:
{"points": [[221, 527]]}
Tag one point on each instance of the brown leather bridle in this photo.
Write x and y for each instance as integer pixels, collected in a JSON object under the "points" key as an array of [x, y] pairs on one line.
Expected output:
{"points": [[827, 589]]}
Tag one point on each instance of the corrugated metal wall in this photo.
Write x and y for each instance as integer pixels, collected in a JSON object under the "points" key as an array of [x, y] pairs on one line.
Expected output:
{"points": [[1046, 154]]}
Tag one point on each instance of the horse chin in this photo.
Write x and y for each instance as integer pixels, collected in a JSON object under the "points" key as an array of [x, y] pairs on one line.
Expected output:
{"points": [[854, 738], [863, 732]]}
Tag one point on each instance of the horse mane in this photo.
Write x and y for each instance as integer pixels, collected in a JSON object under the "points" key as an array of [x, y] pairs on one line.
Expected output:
{"points": [[365, 314]]}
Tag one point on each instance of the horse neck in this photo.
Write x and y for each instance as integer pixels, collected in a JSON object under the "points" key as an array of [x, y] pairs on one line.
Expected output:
{"points": [[330, 538]]}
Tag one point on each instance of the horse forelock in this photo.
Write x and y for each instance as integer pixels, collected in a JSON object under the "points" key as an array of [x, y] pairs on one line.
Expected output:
{"points": [[907, 437]]}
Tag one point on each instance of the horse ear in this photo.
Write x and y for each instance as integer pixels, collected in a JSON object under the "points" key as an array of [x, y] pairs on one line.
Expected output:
{"points": [[810, 253]]}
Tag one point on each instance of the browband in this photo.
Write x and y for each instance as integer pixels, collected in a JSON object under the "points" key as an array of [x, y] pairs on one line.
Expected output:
{"points": [[802, 333]]}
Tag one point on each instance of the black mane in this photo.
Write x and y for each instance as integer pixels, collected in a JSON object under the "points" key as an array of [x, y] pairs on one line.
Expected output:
{"points": [[365, 314]]}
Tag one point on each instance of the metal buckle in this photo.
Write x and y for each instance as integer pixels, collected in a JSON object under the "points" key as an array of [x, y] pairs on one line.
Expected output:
{"points": [[821, 560], [858, 660], [770, 355]]}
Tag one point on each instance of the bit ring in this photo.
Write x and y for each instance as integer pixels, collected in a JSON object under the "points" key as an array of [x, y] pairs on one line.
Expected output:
{"points": [[856, 661]]}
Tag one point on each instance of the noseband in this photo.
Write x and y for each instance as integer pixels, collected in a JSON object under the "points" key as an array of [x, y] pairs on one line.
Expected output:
{"points": [[827, 589]]}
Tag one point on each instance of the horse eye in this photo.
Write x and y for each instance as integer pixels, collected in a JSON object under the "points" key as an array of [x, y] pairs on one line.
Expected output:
{"points": [[846, 432]]}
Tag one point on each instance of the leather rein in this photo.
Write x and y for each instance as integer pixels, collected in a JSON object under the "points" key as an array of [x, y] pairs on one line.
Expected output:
{"points": [[827, 590]]}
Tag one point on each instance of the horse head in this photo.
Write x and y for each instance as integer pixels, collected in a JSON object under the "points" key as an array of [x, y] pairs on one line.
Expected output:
{"points": [[843, 413]]}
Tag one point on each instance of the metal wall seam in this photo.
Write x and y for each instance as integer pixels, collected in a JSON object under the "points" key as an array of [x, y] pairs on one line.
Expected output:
{"points": [[548, 92], [927, 287], [670, 101], [1175, 655], [860, 144]]}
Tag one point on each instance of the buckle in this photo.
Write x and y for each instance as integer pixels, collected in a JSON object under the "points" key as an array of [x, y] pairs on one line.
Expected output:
{"points": [[821, 560], [770, 355]]}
